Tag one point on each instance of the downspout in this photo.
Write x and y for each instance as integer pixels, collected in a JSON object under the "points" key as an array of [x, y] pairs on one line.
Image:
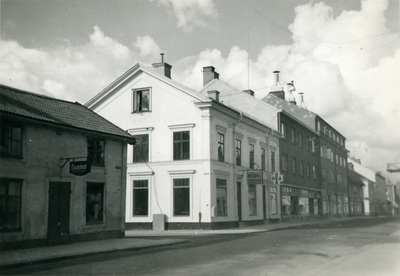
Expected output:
{"points": [[234, 159], [268, 183]]}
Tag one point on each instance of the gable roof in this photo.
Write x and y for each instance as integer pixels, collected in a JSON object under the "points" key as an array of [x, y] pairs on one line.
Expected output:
{"points": [[54, 111], [137, 68], [249, 105]]}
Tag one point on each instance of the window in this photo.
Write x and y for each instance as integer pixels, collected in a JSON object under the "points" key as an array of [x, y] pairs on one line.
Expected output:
{"points": [[251, 156], [301, 168], [273, 161], [141, 149], [252, 200], [94, 203], [337, 159], [284, 162], [334, 136], [221, 151], [263, 167], [318, 126], [300, 139], [221, 198], [96, 152], [313, 145], [181, 197], [181, 145], [308, 170], [140, 197], [292, 135], [141, 100], [283, 130], [238, 152], [294, 165], [314, 172], [307, 143], [10, 140], [10, 204]]}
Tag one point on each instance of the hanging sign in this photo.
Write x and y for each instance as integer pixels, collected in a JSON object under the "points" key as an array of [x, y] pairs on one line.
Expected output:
{"points": [[79, 167], [254, 177]]}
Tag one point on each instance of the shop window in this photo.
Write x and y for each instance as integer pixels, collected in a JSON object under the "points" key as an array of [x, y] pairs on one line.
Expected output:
{"points": [[11, 139], [252, 200], [251, 156], [263, 166], [141, 100], [141, 149], [238, 152], [10, 204], [181, 197], [181, 145], [94, 203], [221, 198], [96, 152], [221, 147], [141, 197]]}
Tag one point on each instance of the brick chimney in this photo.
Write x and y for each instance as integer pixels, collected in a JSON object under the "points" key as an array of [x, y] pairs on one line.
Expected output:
{"points": [[162, 67], [213, 94], [209, 74]]}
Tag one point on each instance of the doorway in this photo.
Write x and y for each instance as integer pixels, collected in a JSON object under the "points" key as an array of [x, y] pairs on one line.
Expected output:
{"points": [[239, 200], [58, 212]]}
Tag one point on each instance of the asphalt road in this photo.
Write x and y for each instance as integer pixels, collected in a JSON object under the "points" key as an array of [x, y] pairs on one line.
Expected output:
{"points": [[354, 247]]}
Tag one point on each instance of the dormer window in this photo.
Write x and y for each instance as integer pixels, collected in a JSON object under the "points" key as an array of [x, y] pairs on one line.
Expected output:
{"points": [[141, 100]]}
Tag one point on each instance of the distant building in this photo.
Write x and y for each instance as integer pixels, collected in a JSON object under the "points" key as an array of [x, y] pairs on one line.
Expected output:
{"points": [[62, 172], [356, 194], [380, 200], [189, 168], [392, 194]]}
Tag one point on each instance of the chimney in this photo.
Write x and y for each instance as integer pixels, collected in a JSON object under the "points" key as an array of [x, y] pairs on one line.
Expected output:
{"points": [[213, 94], [277, 89], [250, 92], [209, 74], [162, 67], [291, 88]]}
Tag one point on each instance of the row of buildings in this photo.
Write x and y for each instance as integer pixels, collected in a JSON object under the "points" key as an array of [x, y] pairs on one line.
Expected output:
{"points": [[150, 153]]}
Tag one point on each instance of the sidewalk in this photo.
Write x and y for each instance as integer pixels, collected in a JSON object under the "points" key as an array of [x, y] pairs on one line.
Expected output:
{"points": [[135, 240]]}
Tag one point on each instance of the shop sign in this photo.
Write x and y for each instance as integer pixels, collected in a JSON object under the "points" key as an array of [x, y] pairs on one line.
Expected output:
{"points": [[79, 167], [254, 177]]}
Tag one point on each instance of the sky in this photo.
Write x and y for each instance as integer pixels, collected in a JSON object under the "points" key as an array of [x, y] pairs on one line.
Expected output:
{"points": [[343, 54]]}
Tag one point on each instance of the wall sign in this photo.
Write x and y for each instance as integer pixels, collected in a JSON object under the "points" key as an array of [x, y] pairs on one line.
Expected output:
{"points": [[254, 177], [79, 167]]}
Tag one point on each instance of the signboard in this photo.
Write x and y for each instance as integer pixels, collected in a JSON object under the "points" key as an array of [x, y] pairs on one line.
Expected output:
{"points": [[276, 178], [254, 177], [79, 167]]}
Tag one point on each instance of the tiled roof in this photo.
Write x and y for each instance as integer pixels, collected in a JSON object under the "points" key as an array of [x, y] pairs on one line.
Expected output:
{"points": [[58, 112]]}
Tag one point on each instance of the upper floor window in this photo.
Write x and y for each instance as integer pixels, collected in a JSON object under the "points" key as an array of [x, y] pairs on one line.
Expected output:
{"points": [[141, 149], [284, 162], [292, 135], [11, 139], [314, 172], [294, 165], [96, 152], [251, 156], [318, 126], [272, 161], [141, 100], [181, 145], [283, 130], [301, 168], [10, 204], [221, 148], [300, 139], [263, 167], [238, 152]]}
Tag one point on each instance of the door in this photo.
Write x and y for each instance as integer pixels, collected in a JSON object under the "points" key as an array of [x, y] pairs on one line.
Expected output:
{"points": [[239, 200], [58, 212]]}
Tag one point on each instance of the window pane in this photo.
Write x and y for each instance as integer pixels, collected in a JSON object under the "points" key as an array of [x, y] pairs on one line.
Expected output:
{"points": [[181, 197], [94, 202], [141, 149], [221, 198], [140, 198]]}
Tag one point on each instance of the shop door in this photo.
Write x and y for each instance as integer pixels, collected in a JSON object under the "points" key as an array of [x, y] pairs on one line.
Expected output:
{"points": [[239, 200], [58, 218]]}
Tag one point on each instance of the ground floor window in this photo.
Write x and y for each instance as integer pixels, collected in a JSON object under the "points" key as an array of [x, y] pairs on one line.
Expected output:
{"points": [[252, 200], [10, 204], [94, 203], [140, 197], [311, 205], [221, 198], [181, 197]]}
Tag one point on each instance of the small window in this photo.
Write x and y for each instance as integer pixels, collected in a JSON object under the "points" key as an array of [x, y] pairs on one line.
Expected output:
{"points": [[314, 172], [251, 156], [308, 170], [181, 197], [284, 162], [238, 152], [141, 149], [96, 152], [283, 130], [300, 139], [318, 126], [221, 147], [94, 203], [313, 145], [140, 197], [263, 166], [141, 100], [10, 139], [181, 145], [252, 200], [301, 168], [10, 204], [221, 198]]}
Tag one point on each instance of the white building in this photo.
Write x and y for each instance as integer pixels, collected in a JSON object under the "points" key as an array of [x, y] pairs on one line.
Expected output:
{"points": [[184, 167], [368, 178]]}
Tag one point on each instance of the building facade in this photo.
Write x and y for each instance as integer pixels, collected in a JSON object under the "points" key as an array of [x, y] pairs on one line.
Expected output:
{"points": [[189, 166], [62, 178], [356, 195]]}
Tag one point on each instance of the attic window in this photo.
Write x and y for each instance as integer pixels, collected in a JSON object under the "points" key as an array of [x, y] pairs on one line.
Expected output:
{"points": [[141, 100]]}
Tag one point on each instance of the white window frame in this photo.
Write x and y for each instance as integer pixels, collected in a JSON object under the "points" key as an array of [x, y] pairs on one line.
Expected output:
{"points": [[181, 128]]}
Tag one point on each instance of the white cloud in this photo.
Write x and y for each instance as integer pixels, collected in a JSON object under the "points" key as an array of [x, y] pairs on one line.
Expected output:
{"points": [[147, 47], [191, 13], [98, 39]]}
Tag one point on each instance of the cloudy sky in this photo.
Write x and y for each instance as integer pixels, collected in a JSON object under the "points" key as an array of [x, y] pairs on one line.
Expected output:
{"points": [[344, 54]]}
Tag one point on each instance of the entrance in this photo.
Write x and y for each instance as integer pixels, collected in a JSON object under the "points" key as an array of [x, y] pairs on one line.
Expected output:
{"points": [[58, 212], [239, 200]]}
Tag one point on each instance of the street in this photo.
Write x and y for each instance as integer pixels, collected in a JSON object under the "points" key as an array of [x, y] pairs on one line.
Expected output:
{"points": [[360, 246]]}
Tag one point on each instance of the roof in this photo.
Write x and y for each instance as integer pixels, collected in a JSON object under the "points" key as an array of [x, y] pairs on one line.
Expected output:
{"points": [[249, 105], [54, 111], [355, 178]]}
